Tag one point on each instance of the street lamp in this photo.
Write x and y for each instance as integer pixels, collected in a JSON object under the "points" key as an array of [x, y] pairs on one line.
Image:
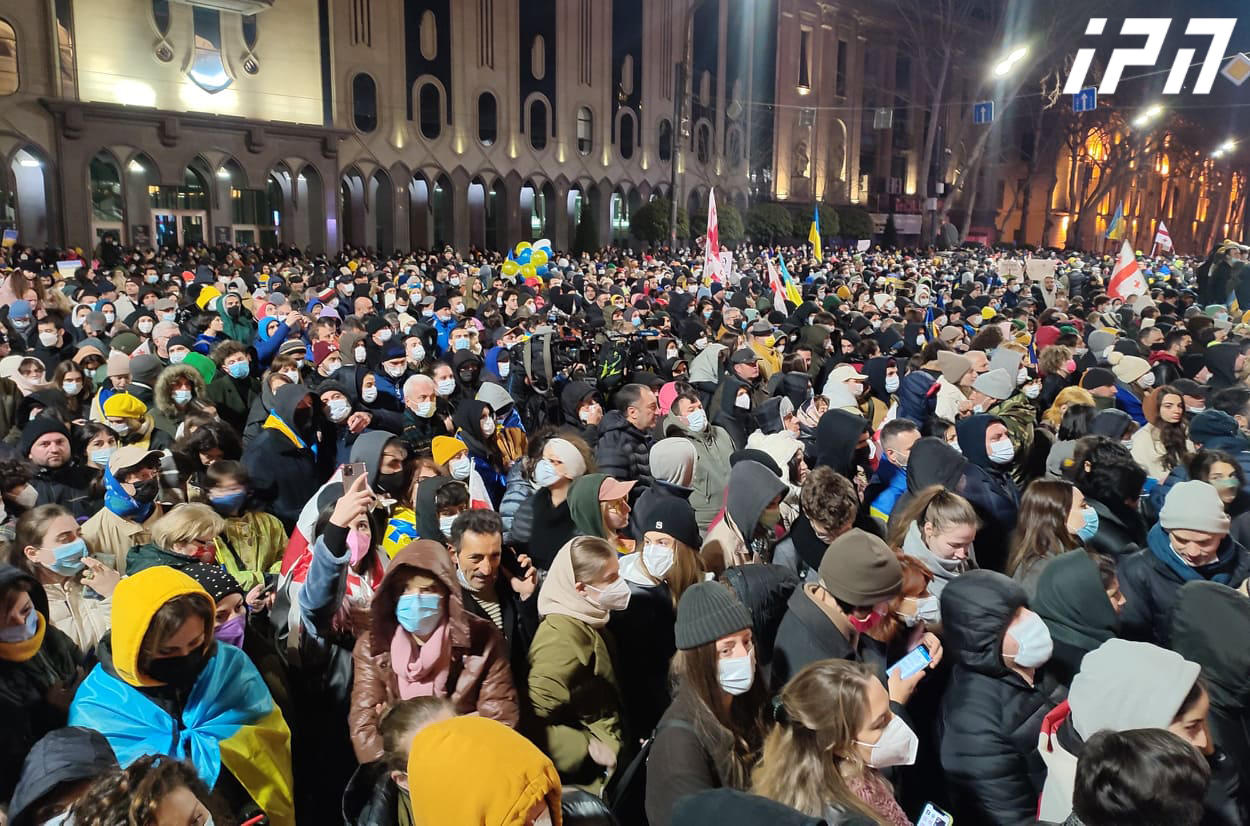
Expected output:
{"points": [[1147, 116], [1224, 149], [1004, 66]]}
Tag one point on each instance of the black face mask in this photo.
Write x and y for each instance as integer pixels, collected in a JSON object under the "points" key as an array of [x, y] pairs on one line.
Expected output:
{"points": [[234, 311], [179, 672], [145, 492], [303, 420], [468, 376], [392, 483]]}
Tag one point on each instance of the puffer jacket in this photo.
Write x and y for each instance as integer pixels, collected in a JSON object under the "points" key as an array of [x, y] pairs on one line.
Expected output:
{"points": [[991, 717], [81, 619], [1116, 536], [917, 395], [623, 451], [765, 590], [167, 416], [1151, 578], [480, 678], [713, 446]]}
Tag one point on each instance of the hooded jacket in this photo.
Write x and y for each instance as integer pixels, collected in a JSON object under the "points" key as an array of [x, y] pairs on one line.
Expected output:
{"points": [[705, 371], [167, 415], [1151, 578], [623, 451], [66, 756], [738, 422], [837, 437], [731, 541], [480, 678], [990, 490], [991, 716], [571, 398], [25, 678], [1209, 623], [1071, 601], [288, 461], [713, 447], [485, 453], [573, 688]]}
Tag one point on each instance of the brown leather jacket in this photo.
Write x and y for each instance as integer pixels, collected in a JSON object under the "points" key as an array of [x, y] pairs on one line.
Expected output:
{"points": [[480, 680]]}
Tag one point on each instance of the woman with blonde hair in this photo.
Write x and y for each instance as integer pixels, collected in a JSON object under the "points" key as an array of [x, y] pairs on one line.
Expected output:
{"points": [[599, 505], [185, 535], [937, 528], [1067, 397], [834, 734]]}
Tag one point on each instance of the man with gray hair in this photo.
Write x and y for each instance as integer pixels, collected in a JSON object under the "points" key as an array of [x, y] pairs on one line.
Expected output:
{"points": [[161, 334], [423, 420]]}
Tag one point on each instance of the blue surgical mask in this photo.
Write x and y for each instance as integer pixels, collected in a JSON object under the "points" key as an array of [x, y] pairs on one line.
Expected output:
{"points": [[21, 633], [545, 474], [181, 396], [100, 458], [228, 504], [239, 370], [636, 321], [419, 613], [69, 557], [1087, 531], [462, 344]]}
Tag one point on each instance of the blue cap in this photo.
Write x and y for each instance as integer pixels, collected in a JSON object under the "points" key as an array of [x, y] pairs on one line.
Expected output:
{"points": [[19, 309]]}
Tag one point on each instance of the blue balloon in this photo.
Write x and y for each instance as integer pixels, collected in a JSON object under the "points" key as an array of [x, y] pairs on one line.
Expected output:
{"points": [[542, 271], [524, 257]]}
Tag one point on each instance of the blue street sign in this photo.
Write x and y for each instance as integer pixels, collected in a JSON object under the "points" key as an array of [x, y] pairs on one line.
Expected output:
{"points": [[983, 112], [1085, 100]]}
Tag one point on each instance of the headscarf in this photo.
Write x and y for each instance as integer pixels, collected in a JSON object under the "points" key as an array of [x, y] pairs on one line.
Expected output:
{"points": [[559, 595]]}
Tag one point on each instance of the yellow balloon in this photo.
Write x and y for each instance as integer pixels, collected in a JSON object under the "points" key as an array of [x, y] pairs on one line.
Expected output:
{"points": [[510, 268], [522, 247], [538, 257], [529, 270]]}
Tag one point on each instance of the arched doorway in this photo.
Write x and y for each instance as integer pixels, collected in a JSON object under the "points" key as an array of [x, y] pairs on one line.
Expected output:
{"points": [[476, 195], [382, 213], [310, 197], [255, 213], [496, 217], [28, 205], [108, 209], [180, 213], [352, 196], [420, 220], [621, 210], [442, 208]]}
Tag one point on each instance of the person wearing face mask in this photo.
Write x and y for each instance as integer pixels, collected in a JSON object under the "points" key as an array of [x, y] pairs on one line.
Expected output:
{"points": [[237, 323], [1133, 379], [291, 457], [251, 544], [938, 529], [160, 669], [423, 420], [389, 377], [40, 667], [1190, 543], [48, 545], [746, 529], [1078, 597], [1055, 517], [836, 712], [176, 387], [544, 522], [477, 428], [1121, 686], [583, 409], [130, 508], [573, 686], [56, 775], [664, 566], [134, 425], [713, 446], [524, 788], [419, 634], [986, 444], [185, 535], [1112, 482], [760, 340], [710, 735], [232, 387], [996, 700]]}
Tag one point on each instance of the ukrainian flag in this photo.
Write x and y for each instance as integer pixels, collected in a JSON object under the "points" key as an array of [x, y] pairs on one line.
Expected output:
{"points": [[1115, 229], [229, 718], [787, 281], [813, 234]]}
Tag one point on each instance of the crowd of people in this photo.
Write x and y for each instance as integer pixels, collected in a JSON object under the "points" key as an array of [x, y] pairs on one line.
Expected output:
{"points": [[413, 539]]}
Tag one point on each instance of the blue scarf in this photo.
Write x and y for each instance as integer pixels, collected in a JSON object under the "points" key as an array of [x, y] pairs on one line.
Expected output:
{"points": [[1218, 571], [122, 503]]}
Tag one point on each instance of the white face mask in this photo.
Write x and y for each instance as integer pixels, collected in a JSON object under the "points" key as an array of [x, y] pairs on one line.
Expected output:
{"points": [[672, 352], [49, 339], [445, 523], [505, 367], [384, 335], [460, 468], [369, 395], [416, 354], [1147, 380], [696, 421], [425, 409], [736, 675], [293, 375], [71, 388], [1022, 376], [395, 371], [614, 597], [743, 402], [658, 559], [488, 427], [445, 387], [358, 353], [928, 610], [955, 445], [585, 415], [1032, 391], [897, 746], [1033, 638], [1002, 452], [27, 497], [891, 384], [121, 428], [338, 410]]}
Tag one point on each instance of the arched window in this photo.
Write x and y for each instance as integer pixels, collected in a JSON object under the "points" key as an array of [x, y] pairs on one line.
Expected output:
{"points": [[430, 107], [208, 70], [8, 59], [364, 103], [160, 15], [538, 124], [487, 110], [625, 137], [666, 140], [703, 143], [733, 145], [585, 131]]}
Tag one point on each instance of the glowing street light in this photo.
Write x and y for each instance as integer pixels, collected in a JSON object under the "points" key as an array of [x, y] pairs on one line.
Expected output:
{"points": [[1004, 66], [1224, 149], [1149, 115]]}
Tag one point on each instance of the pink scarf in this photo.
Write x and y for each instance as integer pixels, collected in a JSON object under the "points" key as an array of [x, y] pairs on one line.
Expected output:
{"points": [[421, 674]]}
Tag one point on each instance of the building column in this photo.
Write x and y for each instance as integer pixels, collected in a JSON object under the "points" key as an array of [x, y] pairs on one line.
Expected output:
{"points": [[460, 210]]}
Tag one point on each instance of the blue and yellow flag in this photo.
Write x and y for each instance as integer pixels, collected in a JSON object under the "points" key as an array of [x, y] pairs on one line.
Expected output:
{"points": [[1115, 229], [813, 234], [787, 281]]}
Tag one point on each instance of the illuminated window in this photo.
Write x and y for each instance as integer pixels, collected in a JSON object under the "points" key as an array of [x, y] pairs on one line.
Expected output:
{"points": [[208, 71], [8, 59], [585, 131]]}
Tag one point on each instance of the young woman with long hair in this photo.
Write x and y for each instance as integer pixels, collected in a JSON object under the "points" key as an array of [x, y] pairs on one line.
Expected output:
{"points": [[1163, 443], [1054, 519], [937, 528], [834, 734]]}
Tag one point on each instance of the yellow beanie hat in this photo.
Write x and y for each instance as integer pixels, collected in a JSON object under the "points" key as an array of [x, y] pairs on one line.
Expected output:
{"points": [[443, 448], [135, 602], [521, 775], [207, 294], [124, 406]]}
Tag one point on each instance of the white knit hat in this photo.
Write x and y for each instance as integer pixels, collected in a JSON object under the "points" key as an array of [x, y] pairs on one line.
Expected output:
{"points": [[1194, 506]]}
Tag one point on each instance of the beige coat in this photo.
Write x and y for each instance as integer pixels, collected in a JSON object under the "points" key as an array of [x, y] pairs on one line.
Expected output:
{"points": [[83, 620], [1148, 452], [110, 537]]}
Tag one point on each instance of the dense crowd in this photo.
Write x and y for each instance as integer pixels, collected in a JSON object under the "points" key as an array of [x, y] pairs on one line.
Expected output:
{"points": [[414, 539]]}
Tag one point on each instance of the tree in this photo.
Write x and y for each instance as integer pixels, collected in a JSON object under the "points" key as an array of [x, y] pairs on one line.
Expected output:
{"points": [[889, 236], [855, 222], [587, 238], [728, 223], [768, 222], [650, 222], [828, 222]]}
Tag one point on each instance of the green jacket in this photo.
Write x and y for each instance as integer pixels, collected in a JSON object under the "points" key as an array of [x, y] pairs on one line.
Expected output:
{"points": [[574, 695], [148, 555], [251, 546], [714, 447]]}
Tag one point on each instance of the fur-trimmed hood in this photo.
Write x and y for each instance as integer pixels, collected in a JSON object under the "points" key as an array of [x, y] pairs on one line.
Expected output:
{"points": [[163, 392]]}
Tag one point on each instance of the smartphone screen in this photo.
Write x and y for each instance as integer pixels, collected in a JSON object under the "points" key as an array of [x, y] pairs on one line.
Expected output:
{"points": [[933, 816], [915, 661]]}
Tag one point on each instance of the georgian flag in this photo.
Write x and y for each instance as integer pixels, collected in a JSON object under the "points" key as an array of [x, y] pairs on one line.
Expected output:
{"points": [[1126, 278]]}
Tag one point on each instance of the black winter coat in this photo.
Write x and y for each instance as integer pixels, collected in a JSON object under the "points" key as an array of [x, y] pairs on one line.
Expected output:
{"points": [[623, 451], [645, 644], [520, 621], [991, 716], [807, 634], [765, 590], [283, 475]]}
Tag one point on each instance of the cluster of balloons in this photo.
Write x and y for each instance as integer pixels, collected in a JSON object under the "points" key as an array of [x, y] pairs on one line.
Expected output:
{"points": [[530, 260]]}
